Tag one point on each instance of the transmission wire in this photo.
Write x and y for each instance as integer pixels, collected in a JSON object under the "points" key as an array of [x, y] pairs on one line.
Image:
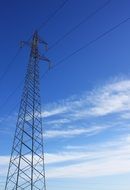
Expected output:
{"points": [[72, 30], [39, 28], [10, 95], [52, 15], [14, 107], [80, 23], [10, 64], [91, 42], [86, 45]]}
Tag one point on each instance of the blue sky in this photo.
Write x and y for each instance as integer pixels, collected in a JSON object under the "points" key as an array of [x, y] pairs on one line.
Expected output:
{"points": [[85, 101]]}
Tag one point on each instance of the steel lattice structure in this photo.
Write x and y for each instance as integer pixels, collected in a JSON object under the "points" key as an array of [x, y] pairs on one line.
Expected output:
{"points": [[26, 167]]}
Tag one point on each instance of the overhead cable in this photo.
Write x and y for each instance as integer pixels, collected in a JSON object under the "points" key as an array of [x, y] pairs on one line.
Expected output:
{"points": [[91, 42], [52, 15], [10, 64], [88, 17]]}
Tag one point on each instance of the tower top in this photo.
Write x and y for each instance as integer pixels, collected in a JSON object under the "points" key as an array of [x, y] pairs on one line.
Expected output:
{"points": [[35, 40], [34, 45]]}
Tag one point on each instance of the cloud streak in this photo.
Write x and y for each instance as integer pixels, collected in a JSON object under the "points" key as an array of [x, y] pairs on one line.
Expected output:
{"points": [[79, 112], [109, 158], [74, 132], [102, 160], [110, 98], [89, 114]]}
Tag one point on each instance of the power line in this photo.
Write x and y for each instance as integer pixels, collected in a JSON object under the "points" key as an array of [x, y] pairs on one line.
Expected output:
{"points": [[9, 113], [17, 53], [59, 40], [80, 23], [52, 15], [10, 64], [15, 90], [65, 35], [91, 42], [10, 95], [80, 49], [39, 28]]}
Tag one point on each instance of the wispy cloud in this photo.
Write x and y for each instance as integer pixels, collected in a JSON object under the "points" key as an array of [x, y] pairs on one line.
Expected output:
{"points": [[106, 107], [107, 99], [74, 132], [55, 111], [104, 101], [109, 158], [111, 98]]}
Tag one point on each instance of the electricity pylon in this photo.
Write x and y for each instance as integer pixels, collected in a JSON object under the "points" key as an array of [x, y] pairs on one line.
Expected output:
{"points": [[26, 168]]}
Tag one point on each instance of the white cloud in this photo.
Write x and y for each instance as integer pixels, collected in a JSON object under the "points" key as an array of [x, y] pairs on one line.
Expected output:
{"points": [[125, 115], [58, 121], [79, 111], [74, 132], [54, 111], [111, 98], [87, 169], [89, 160], [107, 99], [109, 158]]}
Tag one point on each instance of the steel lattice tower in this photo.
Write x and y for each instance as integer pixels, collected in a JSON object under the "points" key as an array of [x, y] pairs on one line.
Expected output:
{"points": [[26, 167]]}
